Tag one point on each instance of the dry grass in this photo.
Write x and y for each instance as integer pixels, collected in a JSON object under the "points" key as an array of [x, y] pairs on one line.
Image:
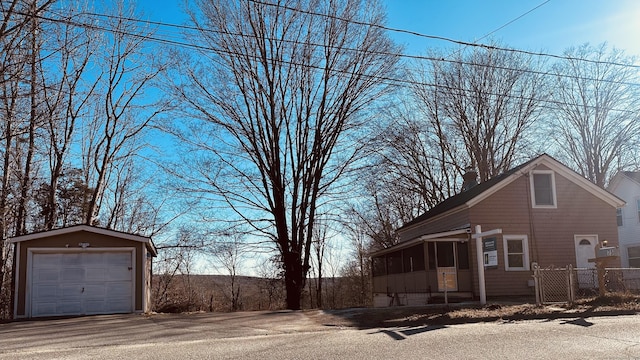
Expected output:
{"points": [[366, 318]]}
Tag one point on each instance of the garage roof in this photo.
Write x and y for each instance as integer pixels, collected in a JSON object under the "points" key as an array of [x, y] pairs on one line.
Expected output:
{"points": [[87, 228]]}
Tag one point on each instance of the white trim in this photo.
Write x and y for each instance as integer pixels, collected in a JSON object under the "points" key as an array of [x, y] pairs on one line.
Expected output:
{"points": [[554, 198], [143, 286], [525, 255], [16, 268], [442, 236], [558, 168], [29, 279], [87, 228]]}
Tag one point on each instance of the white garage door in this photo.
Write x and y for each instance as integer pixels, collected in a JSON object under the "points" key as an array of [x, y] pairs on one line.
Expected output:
{"points": [[81, 283]]}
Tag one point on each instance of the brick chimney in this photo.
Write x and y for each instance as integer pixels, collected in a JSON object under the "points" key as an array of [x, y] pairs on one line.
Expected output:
{"points": [[469, 179]]}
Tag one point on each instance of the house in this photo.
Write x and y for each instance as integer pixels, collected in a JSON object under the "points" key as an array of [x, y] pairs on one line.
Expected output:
{"points": [[81, 270], [539, 212], [626, 185]]}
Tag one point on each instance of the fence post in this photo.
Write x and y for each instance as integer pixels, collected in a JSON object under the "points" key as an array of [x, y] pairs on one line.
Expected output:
{"points": [[570, 283], [536, 281]]}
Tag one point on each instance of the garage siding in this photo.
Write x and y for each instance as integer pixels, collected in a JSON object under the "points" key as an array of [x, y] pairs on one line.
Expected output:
{"points": [[71, 241]]}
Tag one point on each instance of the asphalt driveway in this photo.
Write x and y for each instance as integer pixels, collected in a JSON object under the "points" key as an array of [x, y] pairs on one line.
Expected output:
{"points": [[46, 335]]}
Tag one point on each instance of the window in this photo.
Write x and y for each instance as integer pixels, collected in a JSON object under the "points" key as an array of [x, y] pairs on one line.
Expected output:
{"points": [[543, 189], [634, 256], [516, 252], [638, 207], [413, 258], [394, 263], [431, 250], [619, 216], [379, 268], [463, 255]]}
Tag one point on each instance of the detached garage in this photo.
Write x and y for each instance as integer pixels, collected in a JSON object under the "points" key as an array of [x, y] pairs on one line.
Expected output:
{"points": [[82, 270]]}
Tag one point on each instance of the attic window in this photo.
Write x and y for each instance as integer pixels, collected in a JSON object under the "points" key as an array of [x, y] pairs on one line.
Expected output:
{"points": [[543, 189]]}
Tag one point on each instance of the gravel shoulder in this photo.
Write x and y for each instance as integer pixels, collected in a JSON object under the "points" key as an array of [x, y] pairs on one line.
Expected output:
{"points": [[368, 318]]}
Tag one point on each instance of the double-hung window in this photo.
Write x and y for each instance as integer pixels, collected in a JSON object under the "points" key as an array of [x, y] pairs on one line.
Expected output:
{"points": [[619, 216], [516, 252], [634, 256], [543, 189]]}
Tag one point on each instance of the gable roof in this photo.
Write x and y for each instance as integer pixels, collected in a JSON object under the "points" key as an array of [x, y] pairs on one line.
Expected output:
{"points": [[467, 199], [634, 176], [86, 228]]}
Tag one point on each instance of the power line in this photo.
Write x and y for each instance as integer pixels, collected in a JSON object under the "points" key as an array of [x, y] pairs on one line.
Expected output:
{"points": [[511, 22], [408, 56], [442, 38], [385, 79]]}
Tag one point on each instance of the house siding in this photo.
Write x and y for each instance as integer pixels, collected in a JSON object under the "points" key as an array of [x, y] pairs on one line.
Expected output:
{"points": [[453, 221], [71, 240], [550, 232], [629, 232]]}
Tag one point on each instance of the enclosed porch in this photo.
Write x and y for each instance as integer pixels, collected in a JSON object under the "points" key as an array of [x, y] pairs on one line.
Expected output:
{"points": [[423, 271]]}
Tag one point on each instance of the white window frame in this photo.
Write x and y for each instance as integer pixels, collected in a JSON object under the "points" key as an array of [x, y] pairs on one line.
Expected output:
{"points": [[620, 216], [533, 189], [525, 255], [629, 258]]}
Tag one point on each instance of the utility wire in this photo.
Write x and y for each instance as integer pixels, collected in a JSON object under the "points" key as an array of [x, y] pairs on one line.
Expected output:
{"points": [[442, 38], [511, 22], [385, 79], [408, 56]]}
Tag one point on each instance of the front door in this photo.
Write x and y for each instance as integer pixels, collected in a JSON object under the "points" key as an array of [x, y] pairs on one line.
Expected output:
{"points": [[446, 266], [585, 250]]}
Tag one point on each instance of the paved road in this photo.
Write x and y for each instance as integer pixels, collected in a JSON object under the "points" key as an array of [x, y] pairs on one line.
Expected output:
{"points": [[293, 335]]}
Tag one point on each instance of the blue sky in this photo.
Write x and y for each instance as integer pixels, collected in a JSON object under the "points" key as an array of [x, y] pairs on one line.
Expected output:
{"points": [[552, 27]]}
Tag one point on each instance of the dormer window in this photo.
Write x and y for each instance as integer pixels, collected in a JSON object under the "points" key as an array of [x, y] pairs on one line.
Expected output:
{"points": [[543, 189]]}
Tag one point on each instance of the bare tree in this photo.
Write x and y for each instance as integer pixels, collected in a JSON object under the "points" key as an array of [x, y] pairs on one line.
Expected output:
{"points": [[280, 103], [67, 92], [597, 129], [121, 115], [477, 108], [230, 254]]}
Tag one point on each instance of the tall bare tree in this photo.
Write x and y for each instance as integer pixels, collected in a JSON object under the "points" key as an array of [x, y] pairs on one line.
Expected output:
{"points": [[477, 108], [67, 93], [122, 113], [279, 104], [597, 126]]}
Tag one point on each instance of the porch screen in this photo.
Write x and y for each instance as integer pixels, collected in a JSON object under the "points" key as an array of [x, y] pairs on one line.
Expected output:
{"points": [[413, 258]]}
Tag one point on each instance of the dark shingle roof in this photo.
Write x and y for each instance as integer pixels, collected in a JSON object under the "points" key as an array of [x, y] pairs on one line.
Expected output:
{"points": [[634, 175], [461, 198]]}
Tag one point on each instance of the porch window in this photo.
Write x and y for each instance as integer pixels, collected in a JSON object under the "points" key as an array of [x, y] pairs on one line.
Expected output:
{"points": [[431, 249], [543, 189], [378, 265], [463, 255], [516, 252], [413, 258], [394, 263], [634, 256]]}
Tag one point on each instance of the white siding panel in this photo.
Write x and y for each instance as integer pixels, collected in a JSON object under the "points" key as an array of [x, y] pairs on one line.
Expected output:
{"points": [[81, 283]]}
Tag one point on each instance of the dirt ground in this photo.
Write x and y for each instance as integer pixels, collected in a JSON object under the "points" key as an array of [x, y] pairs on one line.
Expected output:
{"points": [[366, 318]]}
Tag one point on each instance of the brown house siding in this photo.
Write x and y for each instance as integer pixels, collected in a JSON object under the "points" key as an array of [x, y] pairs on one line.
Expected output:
{"points": [[450, 222], [550, 232], [71, 240]]}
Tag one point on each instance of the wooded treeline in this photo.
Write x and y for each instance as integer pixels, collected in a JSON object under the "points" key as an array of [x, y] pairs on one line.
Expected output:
{"points": [[289, 138]]}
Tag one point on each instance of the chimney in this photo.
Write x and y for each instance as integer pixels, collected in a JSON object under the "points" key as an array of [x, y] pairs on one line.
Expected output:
{"points": [[469, 179]]}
